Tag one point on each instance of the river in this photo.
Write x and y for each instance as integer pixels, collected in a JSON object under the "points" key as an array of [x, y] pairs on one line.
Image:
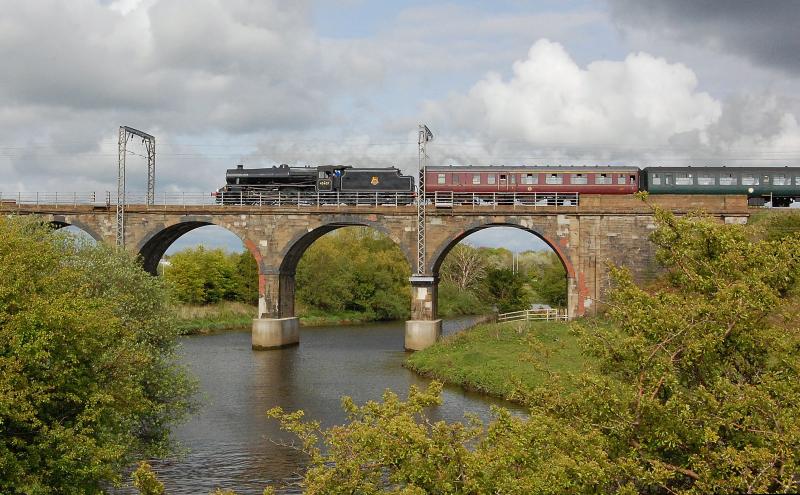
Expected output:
{"points": [[232, 444]]}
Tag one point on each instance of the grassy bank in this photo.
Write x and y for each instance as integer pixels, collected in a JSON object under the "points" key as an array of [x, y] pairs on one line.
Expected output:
{"points": [[315, 318], [222, 316], [229, 315], [501, 358]]}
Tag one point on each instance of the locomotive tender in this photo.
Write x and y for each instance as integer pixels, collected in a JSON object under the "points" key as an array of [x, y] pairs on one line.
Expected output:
{"points": [[780, 186]]}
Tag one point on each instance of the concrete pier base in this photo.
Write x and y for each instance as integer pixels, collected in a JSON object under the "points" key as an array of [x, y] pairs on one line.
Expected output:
{"points": [[421, 334], [272, 333]]}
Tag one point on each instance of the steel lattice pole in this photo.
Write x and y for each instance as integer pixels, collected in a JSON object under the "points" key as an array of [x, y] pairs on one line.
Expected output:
{"points": [[122, 149], [421, 203], [151, 170]]}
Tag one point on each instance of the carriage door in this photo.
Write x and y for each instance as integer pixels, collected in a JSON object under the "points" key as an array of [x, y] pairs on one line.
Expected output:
{"points": [[668, 180], [503, 182]]}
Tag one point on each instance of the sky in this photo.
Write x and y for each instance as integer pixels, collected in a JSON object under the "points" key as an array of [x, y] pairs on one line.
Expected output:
{"points": [[221, 82]]}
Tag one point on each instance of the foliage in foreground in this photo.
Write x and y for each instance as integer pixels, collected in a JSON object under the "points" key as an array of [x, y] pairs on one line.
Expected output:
{"points": [[696, 391], [88, 382]]}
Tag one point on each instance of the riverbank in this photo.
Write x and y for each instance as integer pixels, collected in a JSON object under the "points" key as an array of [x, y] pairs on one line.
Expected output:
{"points": [[230, 315], [214, 317], [500, 359]]}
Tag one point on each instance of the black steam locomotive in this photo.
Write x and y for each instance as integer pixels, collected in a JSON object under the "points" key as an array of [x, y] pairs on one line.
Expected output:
{"points": [[342, 183]]}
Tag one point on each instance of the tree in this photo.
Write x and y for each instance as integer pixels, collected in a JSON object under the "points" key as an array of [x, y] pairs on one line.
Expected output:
{"points": [[506, 289], [201, 276], [88, 380], [464, 267], [355, 269], [695, 389], [245, 277], [550, 282]]}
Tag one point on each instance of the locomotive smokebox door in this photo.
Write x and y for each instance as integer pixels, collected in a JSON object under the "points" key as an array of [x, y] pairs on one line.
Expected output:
{"points": [[374, 181]]}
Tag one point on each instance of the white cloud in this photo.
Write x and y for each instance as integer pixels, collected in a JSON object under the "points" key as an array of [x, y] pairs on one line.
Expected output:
{"points": [[550, 99], [642, 108]]}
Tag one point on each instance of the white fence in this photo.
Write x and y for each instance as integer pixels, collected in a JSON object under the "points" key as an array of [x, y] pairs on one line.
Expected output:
{"points": [[535, 314], [298, 199]]}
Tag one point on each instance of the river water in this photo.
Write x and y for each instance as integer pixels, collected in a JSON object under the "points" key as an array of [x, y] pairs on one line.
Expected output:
{"points": [[232, 444]]}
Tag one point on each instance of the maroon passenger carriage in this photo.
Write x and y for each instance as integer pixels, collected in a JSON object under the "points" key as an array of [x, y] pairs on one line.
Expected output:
{"points": [[548, 184]]}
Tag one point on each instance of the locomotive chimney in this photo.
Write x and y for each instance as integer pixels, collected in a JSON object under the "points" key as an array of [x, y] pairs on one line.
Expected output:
{"points": [[239, 167]]}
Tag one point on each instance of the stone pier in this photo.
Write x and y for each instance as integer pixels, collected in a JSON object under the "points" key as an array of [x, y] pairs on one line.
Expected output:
{"points": [[274, 333], [424, 328]]}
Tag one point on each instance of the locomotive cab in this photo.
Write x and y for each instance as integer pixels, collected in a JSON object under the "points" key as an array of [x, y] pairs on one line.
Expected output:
{"points": [[329, 177]]}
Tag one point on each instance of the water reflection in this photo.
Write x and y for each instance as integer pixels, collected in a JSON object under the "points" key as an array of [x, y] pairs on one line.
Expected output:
{"points": [[231, 442]]}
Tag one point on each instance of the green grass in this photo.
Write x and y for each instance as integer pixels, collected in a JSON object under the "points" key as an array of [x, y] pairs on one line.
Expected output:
{"points": [[229, 315], [223, 316], [502, 358], [317, 318]]}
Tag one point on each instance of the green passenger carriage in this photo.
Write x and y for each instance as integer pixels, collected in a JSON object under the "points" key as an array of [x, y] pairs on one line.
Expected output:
{"points": [[779, 186]]}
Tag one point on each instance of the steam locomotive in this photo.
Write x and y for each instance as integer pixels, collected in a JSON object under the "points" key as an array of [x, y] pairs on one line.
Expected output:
{"points": [[256, 184], [779, 186]]}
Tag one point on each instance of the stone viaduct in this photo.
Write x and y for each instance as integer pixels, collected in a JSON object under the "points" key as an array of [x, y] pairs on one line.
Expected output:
{"points": [[587, 237]]}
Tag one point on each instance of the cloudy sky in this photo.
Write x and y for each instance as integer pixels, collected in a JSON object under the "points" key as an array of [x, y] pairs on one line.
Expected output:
{"points": [[260, 82]]}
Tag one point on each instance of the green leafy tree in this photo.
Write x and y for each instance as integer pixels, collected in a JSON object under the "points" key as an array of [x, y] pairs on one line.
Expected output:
{"points": [[201, 276], [506, 289], [695, 389], [88, 380], [355, 269], [245, 277], [550, 282]]}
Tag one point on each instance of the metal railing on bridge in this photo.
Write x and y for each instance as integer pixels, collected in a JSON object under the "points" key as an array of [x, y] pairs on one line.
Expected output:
{"points": [[449, 199], [296, 200], [48, 198], [552, 314]]}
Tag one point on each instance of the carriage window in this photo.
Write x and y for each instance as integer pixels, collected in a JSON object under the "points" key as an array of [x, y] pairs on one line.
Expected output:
{"points": [[513, 178], [476, 178], [491, 179], [728, 180], [780, 180], [706, 179], [683, 179], [655, 179], [602, 179], [530, 179], [749, 180], [632, 179], [621, 180], [554, 179], [440, 179], [797, 180], [579, 179], [456, 179]]}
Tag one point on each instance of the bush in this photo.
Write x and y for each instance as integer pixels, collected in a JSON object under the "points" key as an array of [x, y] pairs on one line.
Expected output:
{"points": [[88, 380]]}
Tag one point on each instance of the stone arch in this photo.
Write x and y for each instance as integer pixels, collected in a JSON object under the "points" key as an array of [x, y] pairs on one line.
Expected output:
{"points": [[573, 296], [298, 245], [60, 222], [154, 244]]}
